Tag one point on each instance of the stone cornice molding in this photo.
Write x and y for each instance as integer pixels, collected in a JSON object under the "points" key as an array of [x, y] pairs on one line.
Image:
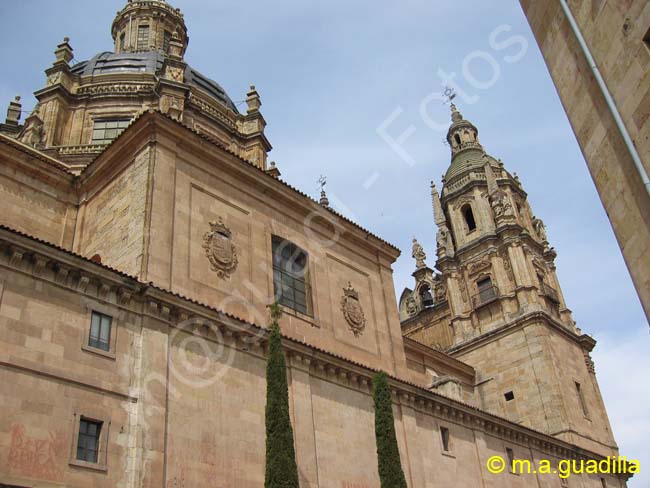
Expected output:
{"points": [[535, 316]]}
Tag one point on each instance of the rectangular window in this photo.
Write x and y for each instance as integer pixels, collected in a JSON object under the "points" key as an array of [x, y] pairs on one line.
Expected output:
{"points": [[509, 396], [143, 38], [104, 131], [100, 331], [581, 399], [510, 454], [122, 41], [444, 436], [167, 37], [290, 275], [486, 291], [88, 440]]}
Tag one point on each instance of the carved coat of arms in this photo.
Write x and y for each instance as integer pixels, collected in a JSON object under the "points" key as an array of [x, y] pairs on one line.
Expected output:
{"points": [[220, 249], [352, 310]]}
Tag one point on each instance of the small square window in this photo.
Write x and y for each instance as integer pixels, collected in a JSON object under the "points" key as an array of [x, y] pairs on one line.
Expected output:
{"points": [[509, 396], [100, 331], [444, 436], [88, 440]]}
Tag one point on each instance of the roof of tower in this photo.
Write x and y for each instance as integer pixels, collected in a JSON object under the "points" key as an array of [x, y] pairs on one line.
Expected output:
{"points": [[470, 155], [149, 62]]}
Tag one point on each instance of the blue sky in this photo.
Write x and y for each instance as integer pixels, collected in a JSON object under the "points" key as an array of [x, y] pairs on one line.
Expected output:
{"points": [[330, 74]]}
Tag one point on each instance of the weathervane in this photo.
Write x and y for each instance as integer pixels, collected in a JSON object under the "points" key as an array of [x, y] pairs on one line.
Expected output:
{"points": [[322, 181], [449, 94]]}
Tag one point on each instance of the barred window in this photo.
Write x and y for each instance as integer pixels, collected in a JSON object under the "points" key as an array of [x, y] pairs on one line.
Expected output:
{"points": [[100, 331], [290, 275], [143, 38], [104, 131], [167, 37], [88, 440], [485, 289]]}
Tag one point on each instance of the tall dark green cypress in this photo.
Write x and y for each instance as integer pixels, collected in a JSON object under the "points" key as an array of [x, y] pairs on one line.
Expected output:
{"points": [[281, 468], [390, 466]]}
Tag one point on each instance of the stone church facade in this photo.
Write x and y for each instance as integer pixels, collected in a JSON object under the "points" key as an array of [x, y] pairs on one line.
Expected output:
{"points": [[144, 232]]}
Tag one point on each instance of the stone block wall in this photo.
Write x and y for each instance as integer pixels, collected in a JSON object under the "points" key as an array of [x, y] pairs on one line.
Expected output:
{"points": [[617, 33]]}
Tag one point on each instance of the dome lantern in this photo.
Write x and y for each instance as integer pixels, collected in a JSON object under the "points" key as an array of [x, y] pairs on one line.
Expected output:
{"points": [[149, 25]]}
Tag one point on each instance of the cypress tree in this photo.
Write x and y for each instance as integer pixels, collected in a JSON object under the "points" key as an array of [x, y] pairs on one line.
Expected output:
{"points": [[390, 466], [281, 468]]}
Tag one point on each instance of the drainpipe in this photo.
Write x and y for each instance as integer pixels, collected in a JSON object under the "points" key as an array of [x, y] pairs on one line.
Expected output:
{"points": [[643, 174]]}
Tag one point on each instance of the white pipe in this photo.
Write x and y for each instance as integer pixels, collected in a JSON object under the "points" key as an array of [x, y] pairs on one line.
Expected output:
{"points": [[608, 97]]}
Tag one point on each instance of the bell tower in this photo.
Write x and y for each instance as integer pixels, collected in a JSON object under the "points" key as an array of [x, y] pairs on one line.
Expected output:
{"points": [[497, 303]]}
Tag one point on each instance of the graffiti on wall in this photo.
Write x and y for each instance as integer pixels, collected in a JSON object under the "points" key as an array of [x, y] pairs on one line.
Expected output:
{"points": [[35, 457]]}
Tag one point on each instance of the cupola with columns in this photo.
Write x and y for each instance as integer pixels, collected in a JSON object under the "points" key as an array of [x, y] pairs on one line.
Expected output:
{"points": [[149, 25], [85, 105]]}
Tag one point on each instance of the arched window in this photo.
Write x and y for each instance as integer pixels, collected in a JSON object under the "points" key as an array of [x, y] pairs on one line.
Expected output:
{"points": [[457, 139], [290, 276], [426, 297], [469, 217]]}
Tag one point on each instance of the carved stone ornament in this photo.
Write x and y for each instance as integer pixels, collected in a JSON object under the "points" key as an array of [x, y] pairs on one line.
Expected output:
{"points": [[220, 249], [478, 266], [352, 310]]}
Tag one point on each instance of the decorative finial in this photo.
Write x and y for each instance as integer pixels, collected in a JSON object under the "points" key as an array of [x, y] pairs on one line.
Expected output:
{"points": [[14, 111], [324, 201], [273, 170], [253, 100], [456, 116], [418, 254]]}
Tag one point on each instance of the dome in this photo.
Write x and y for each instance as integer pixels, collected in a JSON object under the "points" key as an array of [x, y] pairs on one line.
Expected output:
{"points": [[466, 160], [149, 62]]}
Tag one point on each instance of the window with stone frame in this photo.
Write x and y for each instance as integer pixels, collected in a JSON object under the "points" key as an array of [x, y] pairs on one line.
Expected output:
{"points": [[581, 399], [122, 41], [445, 439], [105, 131], [100, 331], [142, 43], [88, 440], [468, 215], [290, 276], [167, 37], [486, 290], [510, 455]]}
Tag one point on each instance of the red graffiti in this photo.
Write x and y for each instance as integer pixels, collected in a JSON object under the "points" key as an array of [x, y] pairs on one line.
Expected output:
{"points": [[35, 458]]}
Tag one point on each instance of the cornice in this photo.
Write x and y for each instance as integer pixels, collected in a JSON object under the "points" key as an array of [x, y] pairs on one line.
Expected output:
{"points": [[521, 321], [47, 262], [62, 170]]}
